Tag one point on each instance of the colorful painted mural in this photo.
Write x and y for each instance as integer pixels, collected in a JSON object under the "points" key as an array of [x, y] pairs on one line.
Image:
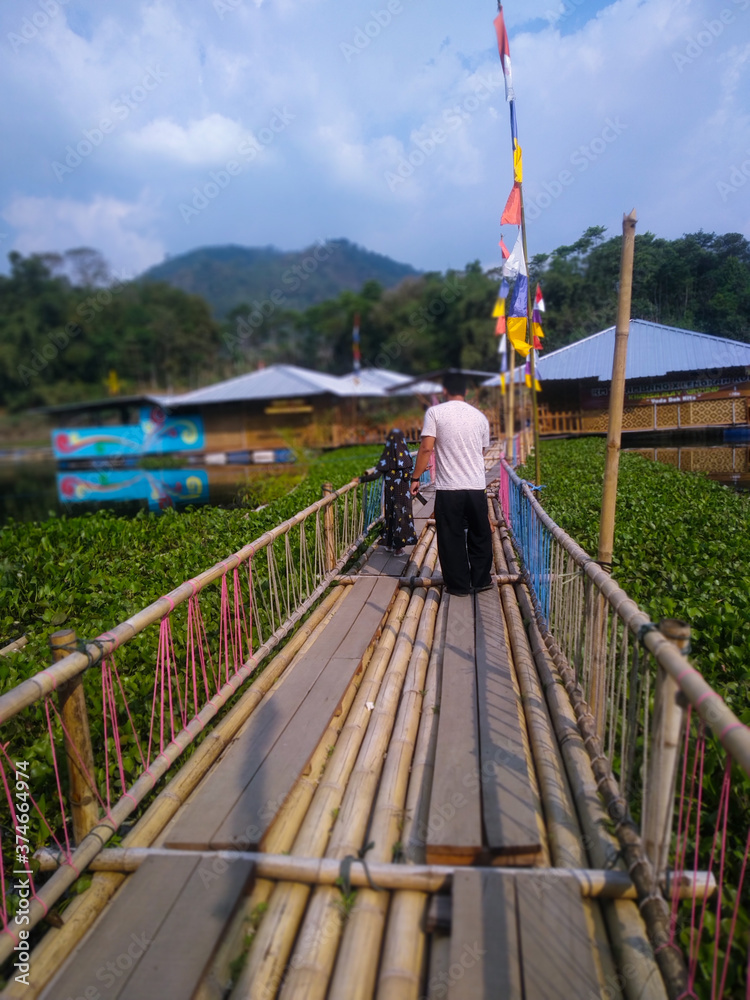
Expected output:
{"points": [[162, 489], [156, 434]]}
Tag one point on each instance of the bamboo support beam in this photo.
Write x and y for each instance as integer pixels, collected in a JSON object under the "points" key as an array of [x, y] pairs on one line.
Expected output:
{"points": [[329, 531], [77, 736], [15, 646], [594, 882], [432, 581]]}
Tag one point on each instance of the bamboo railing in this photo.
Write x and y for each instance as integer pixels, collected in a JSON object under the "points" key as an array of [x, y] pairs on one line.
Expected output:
{"points": [[285, 573]]}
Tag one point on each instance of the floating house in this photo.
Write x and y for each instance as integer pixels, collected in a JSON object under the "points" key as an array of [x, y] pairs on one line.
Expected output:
{"points": [[262, 416], [674, 380]]}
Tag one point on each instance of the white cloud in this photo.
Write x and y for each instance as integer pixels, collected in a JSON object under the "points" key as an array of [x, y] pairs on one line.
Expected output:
{"points": [[211, 140], [106, 224]]}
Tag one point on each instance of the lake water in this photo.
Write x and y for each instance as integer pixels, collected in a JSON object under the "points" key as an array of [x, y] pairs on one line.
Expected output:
{"points": [[34, 491]]}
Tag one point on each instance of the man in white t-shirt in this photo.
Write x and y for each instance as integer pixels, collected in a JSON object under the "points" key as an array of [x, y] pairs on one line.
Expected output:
{"points": [[458, 433]]}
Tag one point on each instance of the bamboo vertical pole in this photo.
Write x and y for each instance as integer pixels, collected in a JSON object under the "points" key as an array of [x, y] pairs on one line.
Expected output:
{"points": [[78, 749], [612, 465], [658, 807], [329, 530], [511, 400], [617, 393]]}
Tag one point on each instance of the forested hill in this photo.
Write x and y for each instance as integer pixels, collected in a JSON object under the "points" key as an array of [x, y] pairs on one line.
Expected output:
{"points": [[228, 276], [65, 327]]}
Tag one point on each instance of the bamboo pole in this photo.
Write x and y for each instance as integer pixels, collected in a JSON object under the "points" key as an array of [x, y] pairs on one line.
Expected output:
{"points": [[423, 767], [77, 736], [278, 840], [606, 883], [315, 950], [80, 915], [15, 646], [623, 919], [275, 938], [329, 533], [359, 951], [43, 683], [617, 393], [658, 803], [511, 399]]}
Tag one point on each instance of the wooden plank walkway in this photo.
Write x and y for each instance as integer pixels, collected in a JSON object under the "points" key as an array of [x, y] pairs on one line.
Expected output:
{"points": [[237, 803], [157, 941], [519, 936]]}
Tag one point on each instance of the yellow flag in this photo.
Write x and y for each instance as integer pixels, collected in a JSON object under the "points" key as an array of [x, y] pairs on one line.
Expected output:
{"points": [[536, 330], [517, 334], [502, 385], [499, 309], [537, 385], [517, 163]]}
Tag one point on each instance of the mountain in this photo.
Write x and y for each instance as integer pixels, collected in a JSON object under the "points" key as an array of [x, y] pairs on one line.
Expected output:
{"points": [[228, 276]]}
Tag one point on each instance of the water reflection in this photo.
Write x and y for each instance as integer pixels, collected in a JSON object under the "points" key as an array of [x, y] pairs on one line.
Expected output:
{"points": [[728, 464], [34, 491]]}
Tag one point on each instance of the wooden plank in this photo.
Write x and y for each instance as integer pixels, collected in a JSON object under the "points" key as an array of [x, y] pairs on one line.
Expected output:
{"points": [[508, 809], [455, 820], [264, 796], [484, 939], [182, 951], [376, 564], [218, 792], [556, 956], [106, 957]]}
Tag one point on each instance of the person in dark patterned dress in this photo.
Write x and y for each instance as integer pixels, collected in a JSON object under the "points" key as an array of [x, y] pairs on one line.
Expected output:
{"points": [[395, 467]]}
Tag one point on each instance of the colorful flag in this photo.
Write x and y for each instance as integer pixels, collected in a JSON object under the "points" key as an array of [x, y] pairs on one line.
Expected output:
{"points": [[499, 309], [517, 334], [500, 325], [538, 300], [519, 302], [502, 384], [502, 350], [512, 211], [517, 162], [504, 49], [527, 376], [515, 264], [503, 249]]}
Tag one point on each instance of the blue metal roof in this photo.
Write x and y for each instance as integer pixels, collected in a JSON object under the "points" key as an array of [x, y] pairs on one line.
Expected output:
{"points": [[653, 351]]}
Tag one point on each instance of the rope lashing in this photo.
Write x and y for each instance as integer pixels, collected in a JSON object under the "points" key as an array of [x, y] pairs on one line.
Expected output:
{"points": [[644, 630], [345, 871]]}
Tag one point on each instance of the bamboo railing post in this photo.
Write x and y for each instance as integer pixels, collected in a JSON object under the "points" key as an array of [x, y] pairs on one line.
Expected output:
{"points": [[617, 393], [329, 535], [609, 491], [658, 806], [511, 391], [78, 749]]}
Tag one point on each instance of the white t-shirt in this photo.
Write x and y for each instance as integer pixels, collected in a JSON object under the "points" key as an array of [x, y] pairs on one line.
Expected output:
{"points": [[461, 434]]}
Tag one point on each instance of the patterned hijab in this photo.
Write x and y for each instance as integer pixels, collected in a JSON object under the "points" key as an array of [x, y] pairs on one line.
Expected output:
{"points": [[395, 459]]}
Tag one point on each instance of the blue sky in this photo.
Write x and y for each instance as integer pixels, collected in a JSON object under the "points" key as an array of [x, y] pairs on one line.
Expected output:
{"points": [[158, 126]]}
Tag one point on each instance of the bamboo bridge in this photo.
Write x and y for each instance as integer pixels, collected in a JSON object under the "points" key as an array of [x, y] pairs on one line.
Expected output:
{"points": [[412, 795]]}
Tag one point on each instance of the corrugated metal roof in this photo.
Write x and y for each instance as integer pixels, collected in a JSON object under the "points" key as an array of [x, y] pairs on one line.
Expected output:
{"points": [[375, 382], [291, 381], [274, 382], [654, 350]]}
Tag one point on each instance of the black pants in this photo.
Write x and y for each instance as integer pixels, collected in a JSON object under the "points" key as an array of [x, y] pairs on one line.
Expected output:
{"points": [[464, 538]]}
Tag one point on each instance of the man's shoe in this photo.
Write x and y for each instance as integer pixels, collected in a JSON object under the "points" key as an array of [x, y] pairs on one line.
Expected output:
{"points": [[458, 593], [479, 590]]}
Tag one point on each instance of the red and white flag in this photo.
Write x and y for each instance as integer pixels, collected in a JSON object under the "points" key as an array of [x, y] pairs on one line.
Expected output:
{"points": [[502, 44]]}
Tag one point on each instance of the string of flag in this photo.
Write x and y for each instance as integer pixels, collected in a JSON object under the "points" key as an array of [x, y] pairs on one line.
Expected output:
{"points": [[511, 309]]}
